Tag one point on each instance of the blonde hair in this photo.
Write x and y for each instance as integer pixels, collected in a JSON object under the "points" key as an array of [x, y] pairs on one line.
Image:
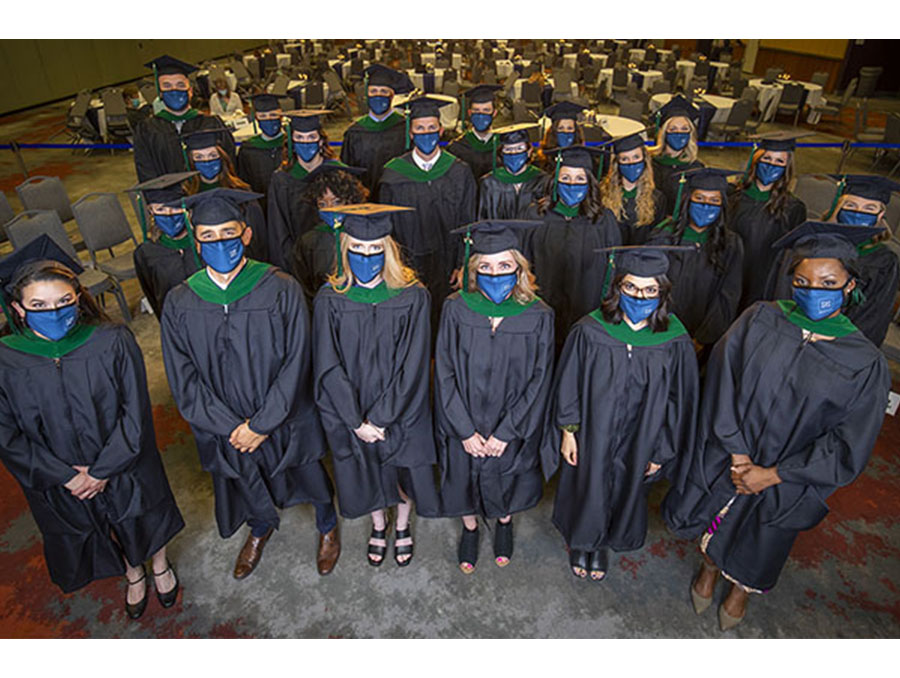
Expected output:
{"points": [[526, 288], [396, 273], [881, 237], [612, 192], [688, 153]]}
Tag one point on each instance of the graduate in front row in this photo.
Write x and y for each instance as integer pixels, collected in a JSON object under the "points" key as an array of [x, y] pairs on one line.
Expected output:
{"points": [[477, 147], [794, 399], [508, 190], [167, 255], [492, 376], [622, 413], [157, 140], [76, 431], [260, 155], [236, 346], [371, 366]]}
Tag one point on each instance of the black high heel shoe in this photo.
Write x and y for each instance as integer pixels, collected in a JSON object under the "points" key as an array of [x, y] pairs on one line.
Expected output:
{"points": [[468, 549], [503, 543], [137, 609], [374, 550], [167, 599], [578, 559], [599, 563]]}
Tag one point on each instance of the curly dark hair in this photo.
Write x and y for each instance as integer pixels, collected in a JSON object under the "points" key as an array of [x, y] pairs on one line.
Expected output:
{"points": [[89, 310], [658, 320], [345, 187], [591, 206], [718, 233], [780, 196]]}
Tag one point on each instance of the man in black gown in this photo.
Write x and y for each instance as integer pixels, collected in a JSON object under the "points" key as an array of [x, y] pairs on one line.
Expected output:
{"points": [[260, 155]]}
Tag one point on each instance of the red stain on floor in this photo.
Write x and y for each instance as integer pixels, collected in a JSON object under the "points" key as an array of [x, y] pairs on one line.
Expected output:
{"points": [[169, 425], [632, 566], [662, 547], [12, 501]]}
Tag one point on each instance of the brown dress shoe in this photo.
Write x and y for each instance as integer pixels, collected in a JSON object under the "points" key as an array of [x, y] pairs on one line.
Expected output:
{"points": [[329, 550], [250, 554]]}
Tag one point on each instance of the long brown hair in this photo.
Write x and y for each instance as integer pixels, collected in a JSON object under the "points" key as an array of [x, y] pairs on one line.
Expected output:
{"points": [[526, 287], [592, 206], [612, 192], [89, 311], [658, 320], [287, 161], [549, 141], [781, 190], [227, 177]]}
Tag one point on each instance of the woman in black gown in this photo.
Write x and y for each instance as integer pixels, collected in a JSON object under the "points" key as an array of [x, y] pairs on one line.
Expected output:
{"points": [[492, 376], [676, 147], [76, 431], [794, 399]]}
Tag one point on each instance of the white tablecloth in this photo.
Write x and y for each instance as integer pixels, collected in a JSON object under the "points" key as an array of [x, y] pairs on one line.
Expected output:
{"points": [[720, 67], [428, 58], [616, 125], [419, 81], [244, 131], [770, 96], [283, 60], [517, 87], [722, 105], [456, 60], [345, 68], [569, 60], [636, 55], [663, 53], [685, 69], [504, 68], [600, 60], [294, 83], [229, 76]]}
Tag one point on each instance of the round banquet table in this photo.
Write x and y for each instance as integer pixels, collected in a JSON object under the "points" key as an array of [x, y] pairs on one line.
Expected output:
{"points": [[770, 95]]}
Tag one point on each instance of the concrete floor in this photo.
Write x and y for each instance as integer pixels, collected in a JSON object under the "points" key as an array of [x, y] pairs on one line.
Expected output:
{"points": [[843, 579]]}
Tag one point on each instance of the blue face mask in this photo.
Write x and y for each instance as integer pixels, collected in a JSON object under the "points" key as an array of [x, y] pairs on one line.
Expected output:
{"points": [[271, 128], [170, 224], [703, 214], [222, 255], [307, 150], [136, 103], [365, 266], [572, 194], [209, 169], [53, 324], [222, 92], [677, 140], [379, 105], [514, 162], [817, 303], [564, 139], [854, 218], [633, 171], [481, 121], [426, 142], [175, 99], [637, 309], [767, 173], [497, 287]]}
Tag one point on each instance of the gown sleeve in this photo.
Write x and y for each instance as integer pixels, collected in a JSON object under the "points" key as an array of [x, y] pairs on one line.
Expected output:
{"points": [[565, 407], [333, 390], [722, 311], [278, 220], [196, 402], [142, 271], [35, 467], [123, 446], [143, 152], [840, 455], [452, 411], [413, 357], [678, 435], [524, 416]]}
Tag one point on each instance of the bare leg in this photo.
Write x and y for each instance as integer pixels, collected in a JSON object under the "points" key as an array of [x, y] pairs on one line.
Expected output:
{"points": [[138, 590], [378, 523], [736, 602], [705, 582], [403, 511], [163, 577]]}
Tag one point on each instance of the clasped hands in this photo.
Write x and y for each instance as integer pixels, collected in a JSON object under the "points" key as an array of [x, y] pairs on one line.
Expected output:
{"points": [[477, 446], [748, 478], [369, 432], [84, 485], [244, 439]]}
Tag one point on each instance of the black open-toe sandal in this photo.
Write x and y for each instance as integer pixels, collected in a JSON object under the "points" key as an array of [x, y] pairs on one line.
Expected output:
{"points": [[468, 549], [406, 549], [578, 559], [599, 563], [503, 543], [167, 599], [374, 550], [135, 611]]}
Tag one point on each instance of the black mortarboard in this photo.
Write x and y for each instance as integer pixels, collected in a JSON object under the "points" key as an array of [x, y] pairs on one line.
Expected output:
{"points": [[166, 65], [427, 106], [515, 134], [382, 76], [210, 134], [577, 155], [782, 140], [367, 220], [679, 106], [709, 178], [645, 261], [162, 189], [265, 102], [628, 142], [481, 94], [825, 240], [868, 186], [328, 167], [217, 206], [564, 110], [305, 120], [496, 235]]}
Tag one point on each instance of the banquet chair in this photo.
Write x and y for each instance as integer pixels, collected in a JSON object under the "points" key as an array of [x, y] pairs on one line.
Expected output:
{"points": [[774, 72], [315, 95], [820, 78], [661, 87], [632, 109], [833, 109], [736, 121], [103, 226], [6, 215], [45, 193], [78, 125], [791, 96], [117, 126], [817, 192], [531, 95]]}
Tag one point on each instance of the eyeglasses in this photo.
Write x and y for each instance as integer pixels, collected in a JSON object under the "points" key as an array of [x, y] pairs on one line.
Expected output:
{"points": [[648, 292]]}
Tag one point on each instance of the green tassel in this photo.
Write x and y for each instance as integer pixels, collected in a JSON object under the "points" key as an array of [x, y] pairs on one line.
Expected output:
{"points": [[190, 232], [857, 298], [681, 183], [749, 162], [143, 217], [9, 317], [837, 196], [556, 174], [187, 163], [337, 246], [494, 141], [610, 265], [253, 116], [462, 114], [406, 147], [156, 80], [465, 271], [366, 88], [290, 142]]}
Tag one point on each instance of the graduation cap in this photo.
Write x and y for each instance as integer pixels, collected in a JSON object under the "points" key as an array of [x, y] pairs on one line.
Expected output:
{"points": [[378, 75], [217, 206], [709, 178], [646, 261], [826, 240], [305, 120], [367, 220], [577, 155], [209, 135], [564, 110], [782, 140], [868, 186], [330, 167], [679, 106], [628, 142], [515, 134], [263, 103], [481, 94], [167, 65], [39, 254], [428, 106], [162, 189], [491, 236]]}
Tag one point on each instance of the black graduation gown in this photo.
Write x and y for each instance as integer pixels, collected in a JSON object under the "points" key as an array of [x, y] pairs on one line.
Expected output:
{"points": [[758, 229], [704, 299], [499, 198], [442, 204], [371, 362], [496, 383], [633, 404], [879, 278], [313, 259], [812, 409], [666, 178], [570, 274], [478, 155], [91, 408], [157, 145], [248, 360], [639, 235], [370, 144], [159, 268], [257, 160]]}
